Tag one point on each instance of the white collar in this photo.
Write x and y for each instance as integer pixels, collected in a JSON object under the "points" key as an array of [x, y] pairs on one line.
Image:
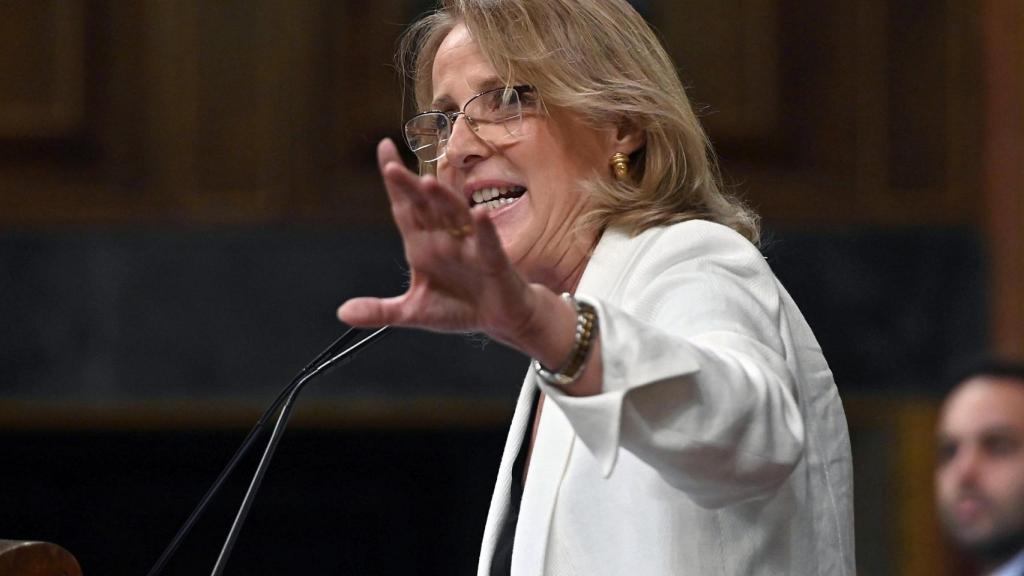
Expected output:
{"points": [[1014, 567]]}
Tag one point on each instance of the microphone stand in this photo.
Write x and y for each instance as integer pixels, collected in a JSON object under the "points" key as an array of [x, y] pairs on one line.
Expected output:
{"points": [[332, 356]]}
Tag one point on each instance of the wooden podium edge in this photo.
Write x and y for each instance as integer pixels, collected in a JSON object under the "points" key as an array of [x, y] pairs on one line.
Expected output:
{"points": [[27, 558]]}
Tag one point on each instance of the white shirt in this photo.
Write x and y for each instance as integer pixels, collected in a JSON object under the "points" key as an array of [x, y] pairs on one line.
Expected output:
{"points": [[718, 445], [1014, 567]]}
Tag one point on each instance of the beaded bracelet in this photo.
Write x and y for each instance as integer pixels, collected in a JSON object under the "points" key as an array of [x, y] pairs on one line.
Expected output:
{"points": [[572, 368]]}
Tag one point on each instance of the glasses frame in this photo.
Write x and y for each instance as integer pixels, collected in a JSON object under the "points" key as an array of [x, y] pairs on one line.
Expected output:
{"points": [[451, 117]]}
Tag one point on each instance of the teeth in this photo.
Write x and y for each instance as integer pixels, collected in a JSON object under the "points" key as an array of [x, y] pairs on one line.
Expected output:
{"points": [[491, 197], [498, 203]]}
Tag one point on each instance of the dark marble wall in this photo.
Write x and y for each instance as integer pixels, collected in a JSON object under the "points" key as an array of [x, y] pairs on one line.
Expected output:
{"points": [[891, 309], [99, 317]]}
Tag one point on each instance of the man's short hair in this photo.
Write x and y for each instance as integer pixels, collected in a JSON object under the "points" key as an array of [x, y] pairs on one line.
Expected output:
{"points": [[991, 366]]}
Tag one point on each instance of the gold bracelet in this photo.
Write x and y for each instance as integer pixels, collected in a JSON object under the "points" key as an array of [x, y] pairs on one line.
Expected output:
{"points": [[583, 341]]}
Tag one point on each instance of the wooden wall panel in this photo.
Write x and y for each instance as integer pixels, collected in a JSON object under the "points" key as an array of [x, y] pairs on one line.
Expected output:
{"points": [[42, 68], [366, 104], [170, 94], [1004, 169], [876, 106], [198, 113], [741, 36], [898, 529], [231, 106], [843, 113]]}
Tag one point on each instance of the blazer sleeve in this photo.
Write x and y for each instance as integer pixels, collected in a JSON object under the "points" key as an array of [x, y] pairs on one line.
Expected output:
{"points": [[695, 378]]}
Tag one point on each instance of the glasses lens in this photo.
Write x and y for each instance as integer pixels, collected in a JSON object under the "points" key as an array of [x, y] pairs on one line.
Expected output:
{"points": [[496, 113], [426, 135]]}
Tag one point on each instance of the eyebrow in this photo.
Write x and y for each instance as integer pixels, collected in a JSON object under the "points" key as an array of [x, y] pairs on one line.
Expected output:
{"points": [[1002, 430], [443, 102], [487, 83], [995, 430]]}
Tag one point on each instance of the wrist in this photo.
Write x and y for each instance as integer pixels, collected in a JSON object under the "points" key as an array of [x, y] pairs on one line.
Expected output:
{"points": [[584, 339], [546, 335]]}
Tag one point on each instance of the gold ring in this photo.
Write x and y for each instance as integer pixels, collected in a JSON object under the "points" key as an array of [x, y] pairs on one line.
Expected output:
{"points": [[461, 232]]}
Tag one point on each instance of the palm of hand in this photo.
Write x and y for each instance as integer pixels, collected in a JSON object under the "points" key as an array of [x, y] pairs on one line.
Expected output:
{"points": [[462, 280]]}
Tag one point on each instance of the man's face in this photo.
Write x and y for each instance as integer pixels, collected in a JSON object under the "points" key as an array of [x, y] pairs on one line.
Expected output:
{"points": [[979, 483]]}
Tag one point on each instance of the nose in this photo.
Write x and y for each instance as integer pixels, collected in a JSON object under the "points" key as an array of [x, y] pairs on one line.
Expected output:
{"points": [[465, 146], [967, 464]]}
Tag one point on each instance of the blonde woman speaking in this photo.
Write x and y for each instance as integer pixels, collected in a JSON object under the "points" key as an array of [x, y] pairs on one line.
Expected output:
{"points": [[678, 417]]}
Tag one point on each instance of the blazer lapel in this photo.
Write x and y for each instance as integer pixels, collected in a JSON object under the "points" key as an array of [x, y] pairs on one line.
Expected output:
{"points": [[548, 462], [503, 486], [555, 436], [611, 263]]}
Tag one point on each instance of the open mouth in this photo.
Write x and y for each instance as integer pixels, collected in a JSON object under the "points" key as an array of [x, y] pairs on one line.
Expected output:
{"points": [[494, 198]]}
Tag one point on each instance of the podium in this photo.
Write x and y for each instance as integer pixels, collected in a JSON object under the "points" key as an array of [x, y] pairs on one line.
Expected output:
{"points": [[24, 558]]}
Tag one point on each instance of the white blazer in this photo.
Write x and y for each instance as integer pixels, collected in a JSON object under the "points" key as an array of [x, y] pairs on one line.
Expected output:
{"points": [[718, 446]]}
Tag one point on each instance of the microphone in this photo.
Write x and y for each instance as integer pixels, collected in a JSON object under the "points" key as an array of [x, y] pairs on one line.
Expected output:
{"points": [[336, 354]]}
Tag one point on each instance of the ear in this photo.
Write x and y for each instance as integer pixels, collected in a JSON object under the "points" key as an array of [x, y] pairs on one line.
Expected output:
{"points": [[627, 138]]}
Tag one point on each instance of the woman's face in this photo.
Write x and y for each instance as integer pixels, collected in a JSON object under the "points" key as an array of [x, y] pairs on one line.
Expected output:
{"points": [[549, 157]]}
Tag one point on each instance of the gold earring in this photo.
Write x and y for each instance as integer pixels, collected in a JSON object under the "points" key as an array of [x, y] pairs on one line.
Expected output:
{"points": [[620, 166]]}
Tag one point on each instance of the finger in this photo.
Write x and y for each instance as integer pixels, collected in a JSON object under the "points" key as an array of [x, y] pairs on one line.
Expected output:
{"points": [[421, 202], [387, 155], [424, 201], [491, 252], [400, 182], [446, 205], [369, 312], [398, 179], [409, 205], [387, 152]]}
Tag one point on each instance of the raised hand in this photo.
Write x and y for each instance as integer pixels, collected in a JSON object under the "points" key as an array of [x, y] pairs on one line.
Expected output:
{"points": [[461, 278]]}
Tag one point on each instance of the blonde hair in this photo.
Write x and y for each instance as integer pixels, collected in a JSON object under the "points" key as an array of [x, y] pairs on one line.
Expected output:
{"points": [[600, 60]]}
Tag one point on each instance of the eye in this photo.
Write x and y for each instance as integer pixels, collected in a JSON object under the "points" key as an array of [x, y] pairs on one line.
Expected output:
{"points": [[496, 100], [946, 452], [426, 124], [529, 99], [1001, 445]]}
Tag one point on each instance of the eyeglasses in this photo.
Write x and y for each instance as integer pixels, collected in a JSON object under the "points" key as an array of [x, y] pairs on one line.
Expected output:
{"points": [[493, 115]]}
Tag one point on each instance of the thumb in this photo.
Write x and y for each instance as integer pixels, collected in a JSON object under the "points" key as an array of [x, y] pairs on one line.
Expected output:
{"points": [[369, 312]]}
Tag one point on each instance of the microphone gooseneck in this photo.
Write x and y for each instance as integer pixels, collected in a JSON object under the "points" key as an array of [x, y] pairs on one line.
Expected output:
{"points": [[275, 437], [332, 356]]}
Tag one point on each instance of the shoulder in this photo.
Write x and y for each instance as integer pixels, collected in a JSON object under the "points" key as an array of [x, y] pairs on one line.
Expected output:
{"points": [[690, 278], [688, 254], [694, 241]]}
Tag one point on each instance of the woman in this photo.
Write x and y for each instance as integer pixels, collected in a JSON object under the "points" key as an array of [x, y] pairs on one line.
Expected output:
{"points": [[678, 417]]}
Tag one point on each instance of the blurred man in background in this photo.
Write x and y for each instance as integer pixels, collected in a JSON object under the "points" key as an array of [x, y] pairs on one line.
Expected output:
{"points": [[979, 482]]}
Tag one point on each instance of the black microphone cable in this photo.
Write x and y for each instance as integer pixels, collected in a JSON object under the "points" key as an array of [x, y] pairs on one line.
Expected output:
{"points": [[338, 351]]}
